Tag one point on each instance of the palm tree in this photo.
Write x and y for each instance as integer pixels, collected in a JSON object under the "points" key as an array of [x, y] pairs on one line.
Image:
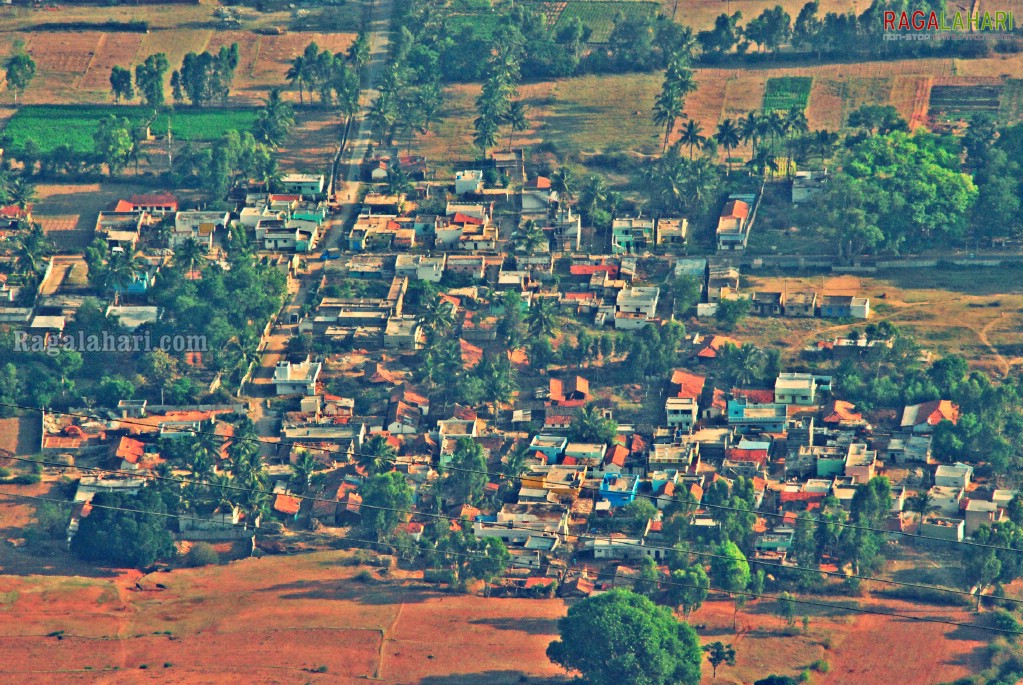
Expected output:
{"points": [[302, 470], [516, 120], [296, 75], [774, 125], [21, 192], [485, 137], [542, 321], [692, 137], [528, 238], [33, 246], [377, 456], [743, 364], [498, 385], [728, 137], [204, 453], [398, 181], [824, 142], [563, 183], [275, 120], [188, 255], [438, 317], [667, 110], [593, 194], [121, 270], [795, 124], [749, 130]]}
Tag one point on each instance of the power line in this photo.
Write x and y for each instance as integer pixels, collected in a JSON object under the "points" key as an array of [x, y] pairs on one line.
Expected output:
{"points": [[670, 583], [493, 474], [509, 526]]}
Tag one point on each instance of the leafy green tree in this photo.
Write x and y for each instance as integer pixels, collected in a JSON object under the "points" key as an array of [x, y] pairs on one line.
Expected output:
{"points": [[785, 608], [692, 137], [149, 79], [386, 499], [542, 318], [20, 69], [467, 472], [730, 572], [777, 679], [112, 142], [730, 312], [742, 365], [621, 637], [120, 84], [688, 589], [589, 425], [719, 653], [125, 538]]}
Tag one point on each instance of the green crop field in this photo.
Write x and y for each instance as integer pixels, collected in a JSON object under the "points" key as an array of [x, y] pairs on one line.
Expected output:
{"points": [[599, 16], [51, 126], [786, 92]]}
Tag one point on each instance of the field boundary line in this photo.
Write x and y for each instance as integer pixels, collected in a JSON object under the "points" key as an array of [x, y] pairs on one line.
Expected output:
{"points": [[95, 54]]}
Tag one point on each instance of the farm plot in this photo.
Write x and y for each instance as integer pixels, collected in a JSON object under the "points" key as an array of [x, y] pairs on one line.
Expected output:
{"points": [[599, 16], [1011, 106], [963, 101], [786, 92], [114, 50], [50, 126]]}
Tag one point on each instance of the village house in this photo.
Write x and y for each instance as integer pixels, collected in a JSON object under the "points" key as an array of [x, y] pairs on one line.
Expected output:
{"points": [[860, 463], [801, 305], [942, 528], [420, 267], [672, 231], [764, 303], [618, 489], [956, 475], [468, 182], [157, 204], [844, 307], [922, 418], [632, 235], [735, 222], [980, 513], [744, 416], [912, 449], [300, 378], [636, 307], [795, 388], [573, 391], [303, 184], [946, 499], [197, 226], [536, 198]]}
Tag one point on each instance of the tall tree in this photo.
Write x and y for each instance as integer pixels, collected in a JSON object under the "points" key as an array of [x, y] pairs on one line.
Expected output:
{"points": [[621, 637], [121, 84], [149, 79], [20, 70], [386, 500], [275, 120], [718, 654], [727, 137]]}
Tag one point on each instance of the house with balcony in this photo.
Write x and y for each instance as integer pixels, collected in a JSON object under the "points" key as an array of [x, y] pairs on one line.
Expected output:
{"points": [[795, 388], [197, 226], [296, 378], [860, 463], [672, 231], [636, 307], [744, 416], [632, 235], [682, 412]]}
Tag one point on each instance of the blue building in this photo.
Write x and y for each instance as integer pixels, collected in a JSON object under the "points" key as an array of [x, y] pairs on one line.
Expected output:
{"points": [[619, 489], [745, 415], [551, 446]]}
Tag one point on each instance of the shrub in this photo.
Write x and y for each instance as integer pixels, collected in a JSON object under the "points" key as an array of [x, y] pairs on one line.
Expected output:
{"points": [[322, 669], [1003, 620], [26, 479], [271, 527], [804, 677], [821, 666], [202, 554], [363, 576]]}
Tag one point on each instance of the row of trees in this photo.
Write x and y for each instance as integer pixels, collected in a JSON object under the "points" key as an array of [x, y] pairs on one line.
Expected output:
{"points": [[834, 34], [203, 78], [334, 78]]}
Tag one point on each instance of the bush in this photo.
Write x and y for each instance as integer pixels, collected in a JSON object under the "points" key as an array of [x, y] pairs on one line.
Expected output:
{"points": [[363, 576], [202, 554], [804, 677], [271, 527], [821, 666], [1003, 620]]}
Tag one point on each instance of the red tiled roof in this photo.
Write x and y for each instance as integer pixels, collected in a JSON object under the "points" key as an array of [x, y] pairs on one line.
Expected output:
{"points": [[690, 384], [710, 348], [471, 355], [153, 199], [755, 395], [802, 496], [123, 206], [539, 183], [840, 410], [590, 269], [460, 218], [616, 455], [735, 454], [735, 209], [286, 504]]}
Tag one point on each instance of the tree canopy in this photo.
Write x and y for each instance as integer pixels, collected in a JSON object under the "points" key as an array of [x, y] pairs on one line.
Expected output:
{"points": [[621, 637]]}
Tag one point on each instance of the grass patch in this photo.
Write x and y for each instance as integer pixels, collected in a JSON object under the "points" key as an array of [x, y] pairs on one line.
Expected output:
{"points": [[51, 126], [786, 92]]}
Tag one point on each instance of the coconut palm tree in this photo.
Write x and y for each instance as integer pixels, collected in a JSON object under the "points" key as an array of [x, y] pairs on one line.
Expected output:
{"points": [[528, 238], [667, 109], [205, 451], [188, 255], [275, 120], [398, 181], [33, 247], [692, 137], [563, 183], [749, 130], [121, 270], [743, 364], [302, 470], [728, 137], [438, 317], [516, 120], [377, 456], [296, 76], [542, 319], [592, 195]]}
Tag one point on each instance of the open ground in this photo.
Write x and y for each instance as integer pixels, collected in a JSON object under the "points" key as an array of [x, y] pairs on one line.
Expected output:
{"points": [[305, 619]]}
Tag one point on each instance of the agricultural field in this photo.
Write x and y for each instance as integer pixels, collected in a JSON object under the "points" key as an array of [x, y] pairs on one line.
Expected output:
{"points": [[962, 102], [304, 618], [599, 16], [785, 92], [50, 126], [972, 312]]}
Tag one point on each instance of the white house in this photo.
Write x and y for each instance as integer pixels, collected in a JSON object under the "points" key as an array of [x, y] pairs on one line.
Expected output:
{"points": [[303, 184], [291, 379], [469, 181], [636, 307], [957, 475], [795, 388], [682, 411], [199, 226]]}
